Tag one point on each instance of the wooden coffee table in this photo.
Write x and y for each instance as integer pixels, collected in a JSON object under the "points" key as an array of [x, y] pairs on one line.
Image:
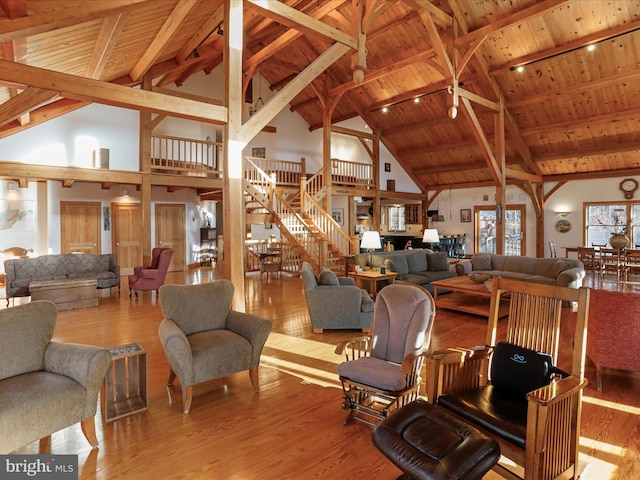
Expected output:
{"points": [[467, 296], [373, 277]]}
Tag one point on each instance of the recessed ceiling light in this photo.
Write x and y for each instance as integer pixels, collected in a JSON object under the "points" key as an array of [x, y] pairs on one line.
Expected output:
{"points": [[416, 100], [385, 109], [520, 69], [591, 47]]}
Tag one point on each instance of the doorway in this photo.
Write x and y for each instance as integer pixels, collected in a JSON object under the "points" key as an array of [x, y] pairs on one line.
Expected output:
{"points": [[485, 231], [170, 232], [80, 230], [125, 235]]}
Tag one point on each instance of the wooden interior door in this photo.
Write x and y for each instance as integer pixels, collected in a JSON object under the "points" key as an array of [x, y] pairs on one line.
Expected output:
{"points": [[170, 232], [125, 235], [80, 227]]}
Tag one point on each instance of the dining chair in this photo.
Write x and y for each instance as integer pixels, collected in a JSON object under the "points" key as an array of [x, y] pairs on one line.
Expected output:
{"points": [[590, 258], [612, 260], [632, 262]]}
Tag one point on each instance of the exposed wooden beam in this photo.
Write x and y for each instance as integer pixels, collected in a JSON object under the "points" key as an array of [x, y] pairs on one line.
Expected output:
{"points": [[295, 19], [106, 41], [510, 21], [280, 100], [289, 36], [561, 91], [164, 36], [589, 152], [14, 8], [201, 35], [25, 102], [590, 122], [476, 130], [90, 90], [352, 132], [583, 41], [63, 173], [381, 72], [439, 16], [43, 114]]}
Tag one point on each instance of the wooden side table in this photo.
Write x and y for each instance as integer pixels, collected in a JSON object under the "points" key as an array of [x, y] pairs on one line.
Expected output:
{"points": [[372, 277], [124, 390]]}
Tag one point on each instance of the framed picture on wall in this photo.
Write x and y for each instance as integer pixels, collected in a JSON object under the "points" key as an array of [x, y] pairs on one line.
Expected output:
{"points": [[338, 215], [260, 152], [387, 167], [465, 215]]}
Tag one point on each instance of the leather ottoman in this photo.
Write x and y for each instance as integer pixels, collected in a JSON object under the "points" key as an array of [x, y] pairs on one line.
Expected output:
{"points": [[427, 443]]}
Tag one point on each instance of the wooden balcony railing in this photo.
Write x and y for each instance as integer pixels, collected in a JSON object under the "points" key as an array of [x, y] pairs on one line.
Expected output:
{"points": [[184, 156]]}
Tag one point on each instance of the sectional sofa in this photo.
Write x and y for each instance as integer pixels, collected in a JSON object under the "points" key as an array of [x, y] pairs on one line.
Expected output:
{"points": [[419, 266], [20, 272], [564, 272]]}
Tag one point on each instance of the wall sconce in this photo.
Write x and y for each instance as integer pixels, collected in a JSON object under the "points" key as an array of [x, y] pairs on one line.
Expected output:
{"points": [[562, 214], [125, 193], [12, 187]]}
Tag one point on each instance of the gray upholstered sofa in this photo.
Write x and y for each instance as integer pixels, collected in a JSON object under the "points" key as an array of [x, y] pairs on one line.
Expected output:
{"points": [[419, 266], [19, 272], [335, 302], [45, 386], [564, 272]]}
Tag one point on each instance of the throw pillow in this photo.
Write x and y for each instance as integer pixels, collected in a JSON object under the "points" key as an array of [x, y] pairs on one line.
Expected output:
{"points": [[390, 266], [481, 262], [559, 267], [437, 262], [327, 277]]}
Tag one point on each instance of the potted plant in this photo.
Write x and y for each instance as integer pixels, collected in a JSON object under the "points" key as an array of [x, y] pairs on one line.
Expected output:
{"points": [[619, 231]]}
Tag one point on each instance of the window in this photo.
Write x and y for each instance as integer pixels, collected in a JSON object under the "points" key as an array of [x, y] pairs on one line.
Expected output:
{"points": [[604, 219]]}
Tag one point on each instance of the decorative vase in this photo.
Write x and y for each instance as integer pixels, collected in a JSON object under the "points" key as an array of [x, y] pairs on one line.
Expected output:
{"points": [[619, 241]]}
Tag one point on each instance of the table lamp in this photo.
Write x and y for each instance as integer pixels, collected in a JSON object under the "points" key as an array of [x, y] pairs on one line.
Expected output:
{"points": [[430, 236], [370, 241]]}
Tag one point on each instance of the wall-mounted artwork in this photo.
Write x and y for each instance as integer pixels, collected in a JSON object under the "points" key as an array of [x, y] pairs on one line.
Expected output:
{"points": [[338, 215], [106, 219], [260, 152], [465, 215]]}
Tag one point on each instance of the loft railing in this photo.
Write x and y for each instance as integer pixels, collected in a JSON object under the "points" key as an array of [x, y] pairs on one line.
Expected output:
{"points": [[184, 156], [287, 174], [352, 174]]}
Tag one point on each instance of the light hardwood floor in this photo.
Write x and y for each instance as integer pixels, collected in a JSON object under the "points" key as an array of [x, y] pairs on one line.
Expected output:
{"points": [[293, 428]]}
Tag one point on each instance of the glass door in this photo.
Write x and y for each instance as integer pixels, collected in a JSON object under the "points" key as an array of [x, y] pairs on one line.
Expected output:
{"points": [[486, 227]]}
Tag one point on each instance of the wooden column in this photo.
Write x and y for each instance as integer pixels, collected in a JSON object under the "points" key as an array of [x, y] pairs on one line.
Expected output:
{"points": [[233, 200], [145, 169]]}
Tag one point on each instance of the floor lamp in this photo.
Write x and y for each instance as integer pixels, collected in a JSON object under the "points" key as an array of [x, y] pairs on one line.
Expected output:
{"points": [[370, 241]]}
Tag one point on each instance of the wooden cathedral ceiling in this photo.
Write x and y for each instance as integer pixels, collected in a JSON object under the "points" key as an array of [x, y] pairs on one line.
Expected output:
{"points": [[572, 113]]}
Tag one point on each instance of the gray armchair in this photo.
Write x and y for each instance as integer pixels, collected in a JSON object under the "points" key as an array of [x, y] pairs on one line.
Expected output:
{"points": [[335, 302], [204, 339], [45, 386]]}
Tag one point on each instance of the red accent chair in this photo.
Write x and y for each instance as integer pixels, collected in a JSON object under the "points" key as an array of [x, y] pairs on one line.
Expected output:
{"points": [[614, 333], [151, 277]]}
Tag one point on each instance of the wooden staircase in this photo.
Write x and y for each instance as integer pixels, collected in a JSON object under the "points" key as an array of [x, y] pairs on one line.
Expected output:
{"points": [[312, 233]]}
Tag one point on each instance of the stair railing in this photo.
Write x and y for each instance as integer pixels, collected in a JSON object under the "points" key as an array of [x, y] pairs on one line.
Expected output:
{"points": [[325, 223]]}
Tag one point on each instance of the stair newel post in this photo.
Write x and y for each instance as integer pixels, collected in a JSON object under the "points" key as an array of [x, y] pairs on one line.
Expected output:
{"points": [[272, 187], [322, 261]]}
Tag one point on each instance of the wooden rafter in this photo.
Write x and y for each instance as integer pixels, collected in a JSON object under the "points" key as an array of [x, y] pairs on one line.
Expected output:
{"points": [[71, 86], [23, 103], [106, 41], [164, 36]]}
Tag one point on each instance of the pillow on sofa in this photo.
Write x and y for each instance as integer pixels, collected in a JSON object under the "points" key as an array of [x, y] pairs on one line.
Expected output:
{"points": [[416, 260], [400, 264], [327, 277], [559, 267], [437, 262], [481, 262]]}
